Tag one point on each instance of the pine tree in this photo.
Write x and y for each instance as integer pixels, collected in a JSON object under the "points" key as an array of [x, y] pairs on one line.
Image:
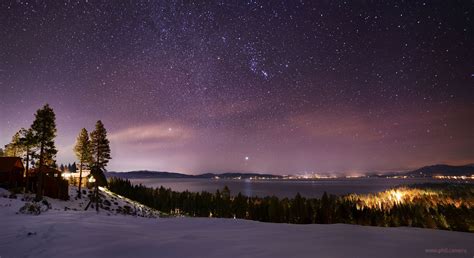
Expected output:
{"points": [[325, 209], [100, 151], [1, 152], [44, 131], [28, 142], [100, 148], [13, 149], [83, 154]]}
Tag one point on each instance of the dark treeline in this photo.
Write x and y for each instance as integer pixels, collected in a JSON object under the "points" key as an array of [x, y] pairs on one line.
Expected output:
{"points": [[299, 210], [68, 168]]}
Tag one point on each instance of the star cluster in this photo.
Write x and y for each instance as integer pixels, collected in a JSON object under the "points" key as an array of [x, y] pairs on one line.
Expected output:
{"points": [[198, 86]]}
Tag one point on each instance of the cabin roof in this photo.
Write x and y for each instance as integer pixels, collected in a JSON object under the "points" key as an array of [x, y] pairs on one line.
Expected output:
{"points": [[10, 163]]}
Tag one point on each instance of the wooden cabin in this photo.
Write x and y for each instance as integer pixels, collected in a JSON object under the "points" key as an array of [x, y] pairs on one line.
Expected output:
{"points": [[11, 172], [54, 185], [12, 175]]}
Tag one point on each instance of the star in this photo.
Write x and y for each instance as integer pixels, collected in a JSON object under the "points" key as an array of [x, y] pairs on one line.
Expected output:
{"points": [[187, 87]]}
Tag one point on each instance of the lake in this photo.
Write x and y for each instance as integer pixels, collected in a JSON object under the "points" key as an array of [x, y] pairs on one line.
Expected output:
{"points": [[285, 188]]}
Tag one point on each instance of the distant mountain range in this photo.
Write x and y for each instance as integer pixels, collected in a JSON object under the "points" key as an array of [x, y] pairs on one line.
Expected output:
{"points": [[160, 174], [433, 170], [427, 171], [442, 170]]}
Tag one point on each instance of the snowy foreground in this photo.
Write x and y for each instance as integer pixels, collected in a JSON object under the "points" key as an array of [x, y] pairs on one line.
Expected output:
{"points": [[76, 233]]}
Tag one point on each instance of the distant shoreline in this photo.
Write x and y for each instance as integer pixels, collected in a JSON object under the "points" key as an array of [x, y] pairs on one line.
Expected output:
{"points": [[465, 172]]}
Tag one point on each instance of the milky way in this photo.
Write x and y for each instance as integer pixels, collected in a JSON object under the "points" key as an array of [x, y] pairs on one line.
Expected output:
{"points": [[266, 86]]}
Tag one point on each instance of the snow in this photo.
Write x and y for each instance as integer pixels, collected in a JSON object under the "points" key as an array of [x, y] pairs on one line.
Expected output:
{"points": [[70, 233], [117, 203]]}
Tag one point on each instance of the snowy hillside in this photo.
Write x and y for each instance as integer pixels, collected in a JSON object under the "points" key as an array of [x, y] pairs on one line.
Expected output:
{"points": [[65, 232], [112, 203]]}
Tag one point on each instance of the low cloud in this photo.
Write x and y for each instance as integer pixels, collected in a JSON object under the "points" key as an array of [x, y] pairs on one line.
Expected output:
{"points": [[162, 133]]}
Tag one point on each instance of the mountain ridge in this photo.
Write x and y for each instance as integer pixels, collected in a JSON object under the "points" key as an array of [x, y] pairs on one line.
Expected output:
{"points": [[425, 171], [166, 174]]}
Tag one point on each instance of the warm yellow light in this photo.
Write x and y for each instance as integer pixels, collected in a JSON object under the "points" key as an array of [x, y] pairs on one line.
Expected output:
{"points": [[91, 179], [399, 196]]}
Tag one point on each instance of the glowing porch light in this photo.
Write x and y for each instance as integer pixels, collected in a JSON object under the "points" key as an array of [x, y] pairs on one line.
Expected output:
{"points": [[91, 179]]}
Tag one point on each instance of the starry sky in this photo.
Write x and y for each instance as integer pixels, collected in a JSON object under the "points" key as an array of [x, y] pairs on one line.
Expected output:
{"points": [[285, 87]]}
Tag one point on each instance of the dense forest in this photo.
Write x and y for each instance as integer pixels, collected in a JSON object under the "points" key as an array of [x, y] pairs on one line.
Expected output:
{"points": [[440, 206]]}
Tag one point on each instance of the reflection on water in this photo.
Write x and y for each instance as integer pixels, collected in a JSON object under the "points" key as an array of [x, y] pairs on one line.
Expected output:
{"points": [[285, 188]]}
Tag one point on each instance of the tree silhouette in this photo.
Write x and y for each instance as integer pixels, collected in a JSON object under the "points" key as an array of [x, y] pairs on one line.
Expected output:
{"points": [[82, 149], [44, 131], [100, 152], [28, 142]]}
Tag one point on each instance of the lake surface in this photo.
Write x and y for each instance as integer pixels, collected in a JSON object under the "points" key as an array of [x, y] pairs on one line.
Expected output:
{"points": [[285, 188]]}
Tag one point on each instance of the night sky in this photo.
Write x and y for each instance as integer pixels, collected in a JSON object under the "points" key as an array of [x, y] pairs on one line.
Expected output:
{"points": [[284, 87]]}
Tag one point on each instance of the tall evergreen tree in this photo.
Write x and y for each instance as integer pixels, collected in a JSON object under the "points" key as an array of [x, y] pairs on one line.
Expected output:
{"points": [[100, 148], [28, 142], [100, 151], [44, 131], [1, 152], [83, 154]]}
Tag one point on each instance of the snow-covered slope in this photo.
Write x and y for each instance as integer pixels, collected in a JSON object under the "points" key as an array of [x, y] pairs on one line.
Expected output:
{"points": [[112, 203], [60, 233]]}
